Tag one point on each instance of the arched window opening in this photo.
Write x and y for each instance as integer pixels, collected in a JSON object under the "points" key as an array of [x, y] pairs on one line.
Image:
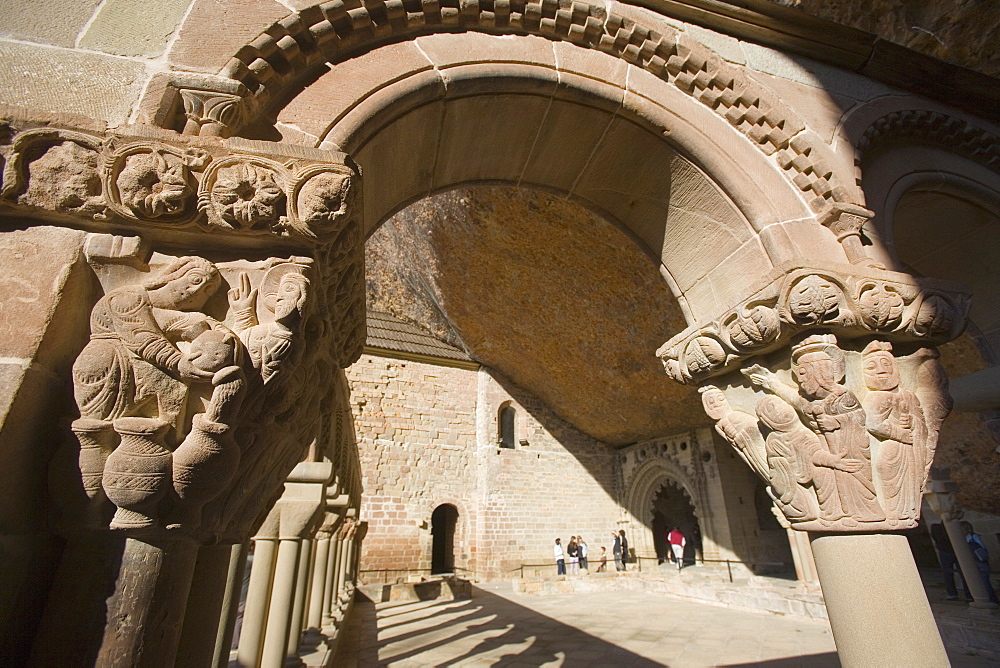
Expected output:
{"points": [[444, 519], [508, 417]]}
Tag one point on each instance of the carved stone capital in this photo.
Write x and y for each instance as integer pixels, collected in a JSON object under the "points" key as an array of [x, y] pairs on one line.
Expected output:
{"points": [[212, 106], [843, 433], [851, 301], [846, 222], [204, 190], [208, 383]]}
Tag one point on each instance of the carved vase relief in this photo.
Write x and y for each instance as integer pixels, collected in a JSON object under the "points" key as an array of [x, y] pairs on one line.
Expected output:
{"points": [[845, 443]]}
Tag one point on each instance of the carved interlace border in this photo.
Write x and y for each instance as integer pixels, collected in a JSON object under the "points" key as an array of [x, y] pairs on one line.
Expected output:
{"points": [[931, 127], [272, 63], [852, 301], [203, 186]]}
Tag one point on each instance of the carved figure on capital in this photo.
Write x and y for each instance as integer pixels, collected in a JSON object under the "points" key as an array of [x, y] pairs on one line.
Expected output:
{"points": [[834, 414], [282, 296], [132, 382], [895, 418], [737, 427]]}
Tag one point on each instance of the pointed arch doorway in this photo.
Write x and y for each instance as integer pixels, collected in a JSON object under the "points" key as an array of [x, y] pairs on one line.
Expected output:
{"points": [[672, 507]]}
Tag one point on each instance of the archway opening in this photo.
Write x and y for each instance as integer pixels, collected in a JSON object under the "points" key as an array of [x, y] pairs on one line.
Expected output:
{"points": [[672, 508], [444, 520]]}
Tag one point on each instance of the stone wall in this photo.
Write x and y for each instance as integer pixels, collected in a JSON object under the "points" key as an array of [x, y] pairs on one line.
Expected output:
{"points": [[427, 436]]}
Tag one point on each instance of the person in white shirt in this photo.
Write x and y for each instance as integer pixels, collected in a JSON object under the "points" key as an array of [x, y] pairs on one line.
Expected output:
{"points": [[557, 552]]}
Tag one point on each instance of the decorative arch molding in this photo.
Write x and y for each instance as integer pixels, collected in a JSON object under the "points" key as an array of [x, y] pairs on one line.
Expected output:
{"points": [[267, 72], [648, 478], [651, 475], [930, 128]]}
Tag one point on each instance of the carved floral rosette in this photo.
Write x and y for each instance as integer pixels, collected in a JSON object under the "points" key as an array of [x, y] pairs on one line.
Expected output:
{"points": [[145, 181], [161, 181], [850, 301], [843, 432]]}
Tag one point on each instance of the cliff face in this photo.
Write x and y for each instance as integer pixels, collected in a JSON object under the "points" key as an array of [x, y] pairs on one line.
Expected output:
{"points": [[558, 300], [959, 31]]}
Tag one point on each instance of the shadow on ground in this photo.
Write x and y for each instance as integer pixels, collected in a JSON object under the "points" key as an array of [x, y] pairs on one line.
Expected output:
{"points": [[490, 630]]}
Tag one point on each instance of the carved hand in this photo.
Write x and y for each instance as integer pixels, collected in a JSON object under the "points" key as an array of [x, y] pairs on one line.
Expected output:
{"points": [[758, 375], [189, 371], [849, 465], [243, 297], [827, 422]]}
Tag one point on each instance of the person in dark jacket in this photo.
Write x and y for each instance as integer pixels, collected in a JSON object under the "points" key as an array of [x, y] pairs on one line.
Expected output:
{"points": [[624, 548]]}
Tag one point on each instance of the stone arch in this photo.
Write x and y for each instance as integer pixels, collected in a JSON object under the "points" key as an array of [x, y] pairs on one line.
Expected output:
{"points": [[276, 63], [776, 172], [646, 482], [923, 171], [463, 536]]}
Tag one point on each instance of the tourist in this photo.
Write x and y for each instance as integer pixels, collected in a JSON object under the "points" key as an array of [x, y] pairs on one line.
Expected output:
{"points": [[584, 564], [948, 560], [982, 558], [557, 552], [677, 542], [573, 550], [616, 551], [603, 568], [624, 548]]}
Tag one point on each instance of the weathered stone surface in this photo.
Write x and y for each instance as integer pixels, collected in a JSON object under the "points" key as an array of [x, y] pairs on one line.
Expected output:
{"points": [[130, 28], [56, 22], [962, 32], [965, 444], [63, 81], [554, 297], [427, 436], [203, 47]]}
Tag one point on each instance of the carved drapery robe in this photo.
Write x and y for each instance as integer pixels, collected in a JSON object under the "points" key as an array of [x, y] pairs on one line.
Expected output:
{"points": [[896, 419], [840, 420], [740, 429]]}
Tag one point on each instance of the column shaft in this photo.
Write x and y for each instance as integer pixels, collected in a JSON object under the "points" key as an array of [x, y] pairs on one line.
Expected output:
{"points": [[231, 603], [258, 602], [301, 596], [878, 609], [968, 564], [146, 611], [317, 593], [279, 614], [204, 606]]}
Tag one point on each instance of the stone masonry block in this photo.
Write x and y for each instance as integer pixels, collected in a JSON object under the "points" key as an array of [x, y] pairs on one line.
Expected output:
{"points": [[69, 82], [55, 22], [138, 28]]}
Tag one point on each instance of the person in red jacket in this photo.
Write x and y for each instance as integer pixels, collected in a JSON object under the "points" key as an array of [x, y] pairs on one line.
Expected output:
{"points": [[677, 542]]}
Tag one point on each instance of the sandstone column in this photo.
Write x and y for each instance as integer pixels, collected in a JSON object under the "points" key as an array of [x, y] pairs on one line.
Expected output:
{"points": [[941, 497], [826, 382], [258, 600]]}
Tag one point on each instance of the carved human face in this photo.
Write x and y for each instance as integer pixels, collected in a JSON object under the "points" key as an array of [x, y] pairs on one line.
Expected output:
{"points": [[286, 301], [880, 371], [815, 374], [192, 289], [715, 403]]}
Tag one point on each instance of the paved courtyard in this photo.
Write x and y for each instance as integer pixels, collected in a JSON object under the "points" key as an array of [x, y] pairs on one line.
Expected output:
{"points": [[500, 628]]}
